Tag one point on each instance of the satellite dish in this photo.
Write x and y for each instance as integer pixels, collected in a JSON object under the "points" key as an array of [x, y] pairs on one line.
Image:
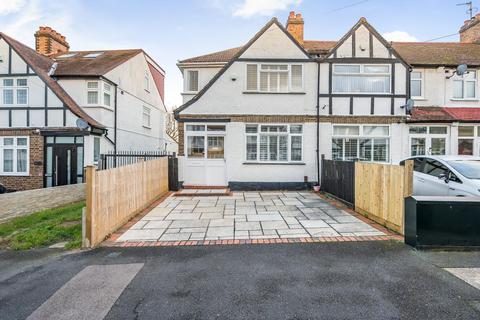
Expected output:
{"points": [[82, 124], [408, 105], [462, 69]]}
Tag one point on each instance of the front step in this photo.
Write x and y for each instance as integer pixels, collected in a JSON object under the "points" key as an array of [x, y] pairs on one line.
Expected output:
{"points": [[204, 192]]}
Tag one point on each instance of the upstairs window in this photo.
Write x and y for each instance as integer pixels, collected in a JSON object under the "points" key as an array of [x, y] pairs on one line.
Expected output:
{"points": [[465, 86], [92, 93], [146, 80], [107, 89], [146, 117], [192, 81], [274, 77], [99, 93], [357, 78], [15, 92], [416, 84]]}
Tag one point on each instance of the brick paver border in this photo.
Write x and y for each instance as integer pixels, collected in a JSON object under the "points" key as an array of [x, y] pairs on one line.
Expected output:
{"points": [[389, 235], [252, 241]]}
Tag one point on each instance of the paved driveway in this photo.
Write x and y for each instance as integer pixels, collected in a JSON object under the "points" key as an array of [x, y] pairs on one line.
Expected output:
{"points": [[246, 216]]}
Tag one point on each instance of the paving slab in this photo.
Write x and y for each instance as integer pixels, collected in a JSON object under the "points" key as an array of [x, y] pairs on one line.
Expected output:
{"points": [[246, 215]]}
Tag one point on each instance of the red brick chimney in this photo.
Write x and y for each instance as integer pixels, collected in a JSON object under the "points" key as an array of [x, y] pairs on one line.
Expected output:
{"points": [[470, 31], [295, 26], [49, 42]]}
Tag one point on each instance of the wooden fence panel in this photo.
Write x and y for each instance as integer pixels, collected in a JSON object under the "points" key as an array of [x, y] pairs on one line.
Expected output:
{"points": [[380, 191], [114, 196]]}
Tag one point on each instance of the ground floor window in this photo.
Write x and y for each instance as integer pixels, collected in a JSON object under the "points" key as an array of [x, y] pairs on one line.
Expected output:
{"points": [[14, 155], [274, 143], [428, 140], [362, 142], [468, 140], [205, 141]]}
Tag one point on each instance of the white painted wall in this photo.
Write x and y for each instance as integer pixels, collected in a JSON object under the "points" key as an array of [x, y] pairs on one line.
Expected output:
{"points": [[438, 91]]}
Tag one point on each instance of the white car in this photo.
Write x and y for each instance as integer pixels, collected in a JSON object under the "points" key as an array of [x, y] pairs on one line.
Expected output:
{"points": [[446, 176]]}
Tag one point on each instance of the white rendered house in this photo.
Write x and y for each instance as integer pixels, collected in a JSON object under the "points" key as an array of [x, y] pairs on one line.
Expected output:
{"points": [[60, 109], [261, 115]]}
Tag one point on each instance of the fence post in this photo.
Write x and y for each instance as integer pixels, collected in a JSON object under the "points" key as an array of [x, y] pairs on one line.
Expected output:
{"points": [[90, 202], [408, 178]]}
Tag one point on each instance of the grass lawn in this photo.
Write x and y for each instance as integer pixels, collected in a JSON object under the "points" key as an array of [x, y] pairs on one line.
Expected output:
{"points": [[44, 228]]}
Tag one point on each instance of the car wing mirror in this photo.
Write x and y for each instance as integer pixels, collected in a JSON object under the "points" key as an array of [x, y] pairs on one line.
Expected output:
{"points": [[443, 176]]}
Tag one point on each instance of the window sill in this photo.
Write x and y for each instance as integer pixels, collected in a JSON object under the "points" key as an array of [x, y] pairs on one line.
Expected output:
{"points": [[419, 98], [186, 93], [274, 163], [260, 92], [147, 127], [97, 106], [13, 174], [466, 100]]}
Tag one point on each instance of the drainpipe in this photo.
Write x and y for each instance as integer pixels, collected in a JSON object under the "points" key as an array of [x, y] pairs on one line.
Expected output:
{"points": [[115, 125], [318, 123]]}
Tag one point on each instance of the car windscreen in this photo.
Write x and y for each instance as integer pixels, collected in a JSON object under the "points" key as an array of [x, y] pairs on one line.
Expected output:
{"points": [[468, 168]]}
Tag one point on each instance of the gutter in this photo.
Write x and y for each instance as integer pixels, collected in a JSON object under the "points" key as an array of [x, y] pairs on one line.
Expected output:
{"points": [[318, 123]]}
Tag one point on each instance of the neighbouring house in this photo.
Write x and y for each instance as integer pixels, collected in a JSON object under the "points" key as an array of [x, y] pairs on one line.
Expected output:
{"points": [[261, 115], [59, 109]]}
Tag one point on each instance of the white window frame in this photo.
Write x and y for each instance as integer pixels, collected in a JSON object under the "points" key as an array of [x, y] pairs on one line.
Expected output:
{"points": [[361, 73], [422, 82], [146, 81], [97, 90], [465, 80], [14, 147], [289, 71], [101, 91], [360, 136], [15, 88], [148, 115], [289, 142], [475, 138], [187, 82], [428, 138], [107, 92], [205, 134]]}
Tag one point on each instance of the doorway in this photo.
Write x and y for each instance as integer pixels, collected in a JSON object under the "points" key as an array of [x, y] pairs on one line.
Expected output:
{"points": [[63, 161]]}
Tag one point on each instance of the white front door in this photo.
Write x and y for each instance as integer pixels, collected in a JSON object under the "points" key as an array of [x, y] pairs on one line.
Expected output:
{"points": [[205, 163]]}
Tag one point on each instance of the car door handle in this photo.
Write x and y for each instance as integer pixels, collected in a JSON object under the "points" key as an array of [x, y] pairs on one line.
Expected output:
{"points": [[450, 188], [421, 179]]}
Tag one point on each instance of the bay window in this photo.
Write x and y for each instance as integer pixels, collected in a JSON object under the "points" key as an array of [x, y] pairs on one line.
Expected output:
{"points": [[274, 143], [465, 86], [361, 78], [15, 91], [14, 155], [99, 93], [274, 78], [365, 143], [205, 141]]}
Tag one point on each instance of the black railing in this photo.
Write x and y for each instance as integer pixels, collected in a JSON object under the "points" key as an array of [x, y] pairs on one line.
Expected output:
{"points": [[124, 158], [338, 179]]}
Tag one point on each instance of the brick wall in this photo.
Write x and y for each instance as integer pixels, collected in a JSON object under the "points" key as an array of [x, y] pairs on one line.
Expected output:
{"points": [[470, 31], [35, 178]]}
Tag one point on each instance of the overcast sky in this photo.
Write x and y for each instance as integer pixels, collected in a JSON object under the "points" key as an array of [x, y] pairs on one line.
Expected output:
{"points": [[178, 29]]}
